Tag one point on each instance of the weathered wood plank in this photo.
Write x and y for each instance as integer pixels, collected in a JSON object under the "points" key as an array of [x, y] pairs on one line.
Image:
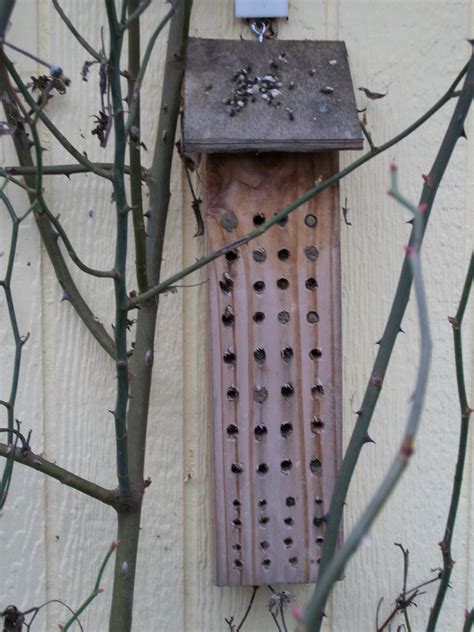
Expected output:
{"points": [[275, 322]]}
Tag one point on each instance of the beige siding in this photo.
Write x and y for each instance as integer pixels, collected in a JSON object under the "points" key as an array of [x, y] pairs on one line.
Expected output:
{"points": [[53, 538]]}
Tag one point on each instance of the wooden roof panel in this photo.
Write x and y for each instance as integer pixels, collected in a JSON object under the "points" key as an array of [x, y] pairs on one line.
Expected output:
{"points": [[296, 96]]}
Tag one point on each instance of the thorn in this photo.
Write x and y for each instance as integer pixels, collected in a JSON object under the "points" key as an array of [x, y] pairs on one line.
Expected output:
{"points": [[147, 214], [427, 180], [379, 342], [367, 439], [411, 221], [462, 133], [400, 330], [358, 413], [54, 234], [112, 412], [65, 297]]}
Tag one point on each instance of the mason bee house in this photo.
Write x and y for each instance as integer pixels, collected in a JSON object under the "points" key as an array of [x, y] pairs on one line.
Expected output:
{"points": [[270, 118]]}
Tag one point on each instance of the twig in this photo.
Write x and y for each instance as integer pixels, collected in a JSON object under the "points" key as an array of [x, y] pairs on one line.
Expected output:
{"points": [[249, 608], [134, 14], [133, 105], [159, 287], [313, 612], [95, 591], [81, 158], [393, 327], [121, 298], [37, 462], [466, 411], [367, 134], [134, 150], [61, 170], [92, 52]]}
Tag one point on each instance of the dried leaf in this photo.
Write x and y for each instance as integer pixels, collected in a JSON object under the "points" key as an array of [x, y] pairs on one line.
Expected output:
{"points": [[373, 95]]}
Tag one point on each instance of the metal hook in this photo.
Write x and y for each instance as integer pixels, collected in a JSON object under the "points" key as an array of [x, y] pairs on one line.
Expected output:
{"points": [[259, 32]]}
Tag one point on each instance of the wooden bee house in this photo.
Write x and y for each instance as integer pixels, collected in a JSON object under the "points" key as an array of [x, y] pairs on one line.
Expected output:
{"points": [[270, 118]]}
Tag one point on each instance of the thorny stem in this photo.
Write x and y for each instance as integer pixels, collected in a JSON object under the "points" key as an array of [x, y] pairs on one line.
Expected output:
{"points": [[466, 411], [358, 439], [312, 614], [18, 340], [92, 52], [37, 462], [134, 149], [95, 591], [47, 233], [121, 299], [160, 287], [134, 100], [60, 170], [142, 360]]}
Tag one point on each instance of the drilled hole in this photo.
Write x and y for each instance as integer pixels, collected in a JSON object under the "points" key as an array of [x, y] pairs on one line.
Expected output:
{"points": [[317, 389], [262, 503], [260, 431], [226, 284], [262, 468], [318, 521], [259, 255], [288, 542], [283, 222], [319, 540], [232, 255], [283, 283], [237, 547], [259, 219], [238, 564], [259, 286], [315, 354], [311, 283], [290, 501], [287, 390], [260, 394], [293, 561], [289, 521], [318, 500], [232, 393], [236, 468], [264, 545], [264, 520], [311, 252], [312, 317], [286, 429], [237, 523], [228, 317], [286, 353], [283, 254], [266, 563], [283, 317], [232, 430], [310, 220], [259, 355], [259, 317], [286, 465], [236, 503], [229, 357], [315, 465], [317, 424]]}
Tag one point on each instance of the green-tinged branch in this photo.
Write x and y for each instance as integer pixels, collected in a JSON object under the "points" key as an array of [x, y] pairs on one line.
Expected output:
{"points": [[37, 462]]}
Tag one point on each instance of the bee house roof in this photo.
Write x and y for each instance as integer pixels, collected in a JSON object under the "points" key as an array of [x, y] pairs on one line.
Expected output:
{"points": [[278, 95]]}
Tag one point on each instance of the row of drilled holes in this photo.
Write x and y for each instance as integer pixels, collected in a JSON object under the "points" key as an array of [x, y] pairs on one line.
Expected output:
{"points": [[286, 466], [310, 220], [227, 284], [228, 317], [286, 353], [260, 254], [286, 428], [260, 393]]}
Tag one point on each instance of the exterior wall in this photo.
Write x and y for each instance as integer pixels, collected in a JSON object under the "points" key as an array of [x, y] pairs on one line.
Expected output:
{"points": [[52, 538]]}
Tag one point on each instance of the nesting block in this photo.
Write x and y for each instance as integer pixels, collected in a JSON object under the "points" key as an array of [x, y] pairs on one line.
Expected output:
{"points": [[276, 365]]}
